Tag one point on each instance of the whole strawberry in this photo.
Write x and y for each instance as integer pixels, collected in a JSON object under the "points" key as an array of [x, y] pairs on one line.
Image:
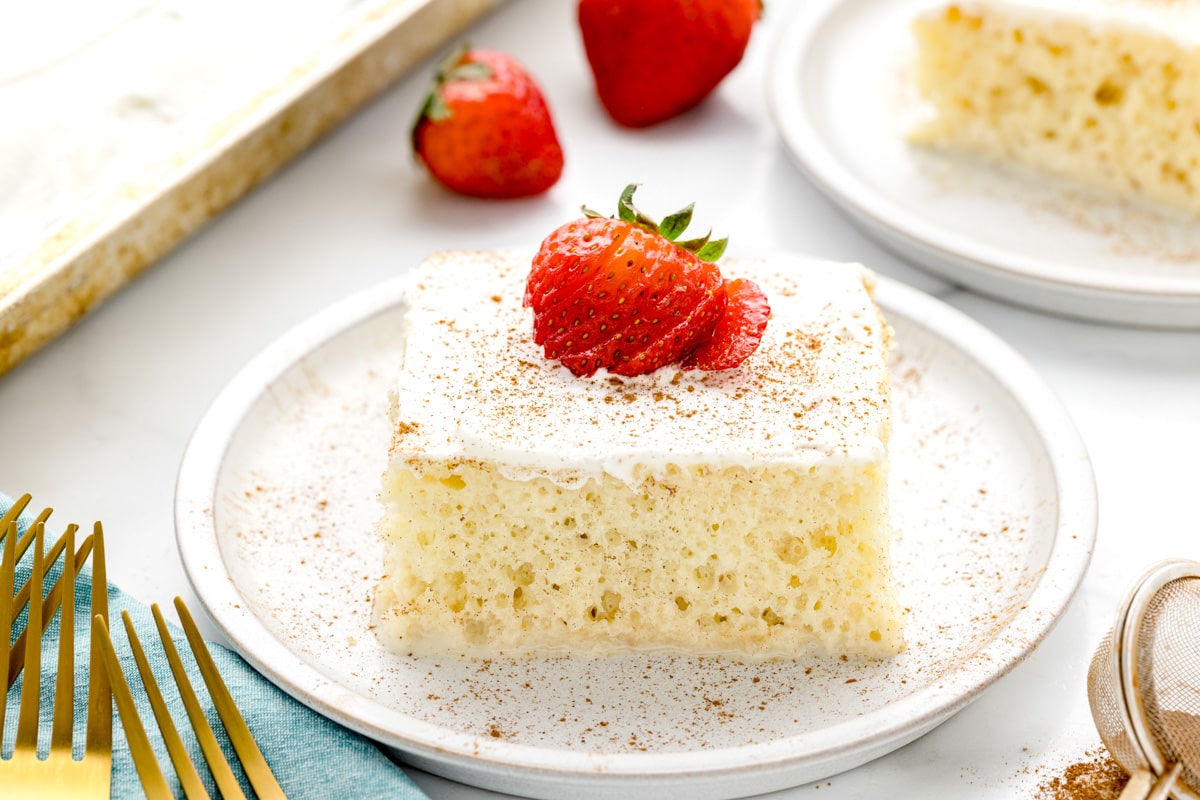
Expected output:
{"points": [[655, 59], [485, 130], [623, 295]]}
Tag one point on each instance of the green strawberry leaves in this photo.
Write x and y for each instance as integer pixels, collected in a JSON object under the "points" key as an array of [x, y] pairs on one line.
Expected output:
{"points": [[450, 68], [628, 212], [671, 227], [706, 249]]}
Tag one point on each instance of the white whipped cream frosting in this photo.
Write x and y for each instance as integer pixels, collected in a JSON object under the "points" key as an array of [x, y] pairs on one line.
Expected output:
{"points": [[474, 386], [1175, 19]]}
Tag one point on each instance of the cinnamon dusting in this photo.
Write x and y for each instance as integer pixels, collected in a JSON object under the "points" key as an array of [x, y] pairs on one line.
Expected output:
{"points": [[1096, 777]]}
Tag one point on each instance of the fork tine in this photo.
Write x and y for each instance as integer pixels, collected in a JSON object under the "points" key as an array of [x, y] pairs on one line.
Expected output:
{"points": [[27, 717], [7, 568], [48, 558], [217, 763], [50, 604], [148, 770], [23, 543], [185, 770], [261, 778], [14, 511], [64, 682], [99, 718], [26, 540]]}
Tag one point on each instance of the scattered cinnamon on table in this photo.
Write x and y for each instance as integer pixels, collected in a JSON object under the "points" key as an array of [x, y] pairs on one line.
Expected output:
{"points": [[1096, 776]]}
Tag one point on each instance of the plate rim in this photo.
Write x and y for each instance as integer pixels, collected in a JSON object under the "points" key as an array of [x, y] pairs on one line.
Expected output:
{"points": [[874, 733], [792, 48]]}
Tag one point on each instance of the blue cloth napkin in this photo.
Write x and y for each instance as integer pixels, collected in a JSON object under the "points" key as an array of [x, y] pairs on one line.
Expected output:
{"points": [[311, 756]]}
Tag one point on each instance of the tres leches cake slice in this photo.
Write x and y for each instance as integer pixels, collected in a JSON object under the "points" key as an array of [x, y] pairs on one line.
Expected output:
{"points": [[739, 511], [1103, 92]]}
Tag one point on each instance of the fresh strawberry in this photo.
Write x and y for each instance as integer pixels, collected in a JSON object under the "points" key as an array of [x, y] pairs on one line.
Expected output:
{"points": [[622, 294], [485, 129], [655, 59], [738, 331]]}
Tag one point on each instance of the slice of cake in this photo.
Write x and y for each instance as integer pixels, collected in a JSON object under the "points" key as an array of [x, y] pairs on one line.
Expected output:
{"points": [[1104, 92], [739, 513]]}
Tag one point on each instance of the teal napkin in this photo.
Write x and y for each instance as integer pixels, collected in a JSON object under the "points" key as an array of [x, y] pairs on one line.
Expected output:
{"points": [[311, 756]]}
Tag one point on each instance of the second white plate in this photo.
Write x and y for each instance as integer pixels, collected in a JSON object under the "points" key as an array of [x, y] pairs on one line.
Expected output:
{"points": [[993, 505], [842, 93]]}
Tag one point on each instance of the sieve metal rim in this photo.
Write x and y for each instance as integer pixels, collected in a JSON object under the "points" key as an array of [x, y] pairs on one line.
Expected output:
{"points": [[1124, 659]]}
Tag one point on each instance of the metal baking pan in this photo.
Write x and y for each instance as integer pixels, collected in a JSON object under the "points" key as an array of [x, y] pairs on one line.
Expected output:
{"points": [[124, 134]]}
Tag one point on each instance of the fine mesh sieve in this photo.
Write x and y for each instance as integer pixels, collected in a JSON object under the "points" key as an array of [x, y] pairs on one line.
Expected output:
{"points": [[1144, 684]]}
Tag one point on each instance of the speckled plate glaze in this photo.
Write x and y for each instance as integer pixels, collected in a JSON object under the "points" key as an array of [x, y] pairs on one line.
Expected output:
{"points": [[842, 93], [993, 507]]}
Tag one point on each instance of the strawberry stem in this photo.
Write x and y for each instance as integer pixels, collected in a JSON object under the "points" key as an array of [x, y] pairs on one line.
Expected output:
{"points": [[671, 227]]}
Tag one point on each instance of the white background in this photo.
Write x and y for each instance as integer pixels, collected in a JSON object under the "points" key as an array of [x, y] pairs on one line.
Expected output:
{"points": [[95, 424]]}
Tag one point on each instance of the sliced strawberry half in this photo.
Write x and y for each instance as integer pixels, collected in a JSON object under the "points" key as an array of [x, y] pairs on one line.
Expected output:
{"points": [[622, 293], [738, 331]]}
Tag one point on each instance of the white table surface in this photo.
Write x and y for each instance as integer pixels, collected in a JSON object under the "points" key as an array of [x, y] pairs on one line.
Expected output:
{"points": [[96, 423]]}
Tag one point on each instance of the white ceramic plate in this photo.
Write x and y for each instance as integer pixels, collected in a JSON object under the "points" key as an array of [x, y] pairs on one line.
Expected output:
{"points": [[842, 94], [993, 506]]}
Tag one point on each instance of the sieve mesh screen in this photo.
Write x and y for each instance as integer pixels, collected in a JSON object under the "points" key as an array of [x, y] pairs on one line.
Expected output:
{"points": [[1106, 709], [1168, 655]]}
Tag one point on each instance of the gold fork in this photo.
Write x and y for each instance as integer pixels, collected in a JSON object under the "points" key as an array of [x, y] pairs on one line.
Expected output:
{"points": [[53, 597], [59, 775], [149, 771]]}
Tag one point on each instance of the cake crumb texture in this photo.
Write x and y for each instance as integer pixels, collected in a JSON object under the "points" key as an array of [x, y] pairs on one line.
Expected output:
{"points": [[751, 563], [1104, 93]]}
